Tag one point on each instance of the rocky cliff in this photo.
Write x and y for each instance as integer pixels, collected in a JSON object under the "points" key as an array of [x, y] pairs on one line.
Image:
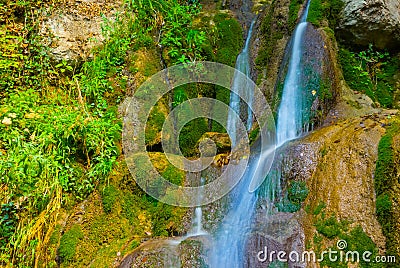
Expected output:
{"points": [[371, 22]]}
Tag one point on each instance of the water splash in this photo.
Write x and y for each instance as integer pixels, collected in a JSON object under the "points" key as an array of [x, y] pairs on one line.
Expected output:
{"points": [[197, 228]]}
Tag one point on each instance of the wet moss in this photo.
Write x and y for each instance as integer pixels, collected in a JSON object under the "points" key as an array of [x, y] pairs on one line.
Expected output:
{"points": [[272, 29], [230, 39], [330, 230], [154, 126]]}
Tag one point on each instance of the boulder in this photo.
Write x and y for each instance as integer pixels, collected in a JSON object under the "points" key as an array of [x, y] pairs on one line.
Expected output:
{"points": [[374, 22]]}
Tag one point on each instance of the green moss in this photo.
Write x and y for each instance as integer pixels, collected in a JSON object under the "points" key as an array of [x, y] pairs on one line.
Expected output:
{"points": [[384, 207], [294, 9], [55, 236], [330, 227], [154, 125], [297, 192], [385, 177], [254, 134], [174, 175], [230, 40], [109, 196], [358, 240], [330, 231], [167, 219], [318, 209], [270, 36], [190, 135], [325, 10], [105, 229], [384, 164], [131, 203], [68, 243], [315, 15], [286, 206]]}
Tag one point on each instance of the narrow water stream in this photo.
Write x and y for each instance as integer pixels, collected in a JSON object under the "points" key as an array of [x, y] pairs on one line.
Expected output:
{"points": [[228, 249], [290, 117]]}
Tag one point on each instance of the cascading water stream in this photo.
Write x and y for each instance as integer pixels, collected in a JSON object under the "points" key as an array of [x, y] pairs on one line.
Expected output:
{"points": [[197, 228], [229, 244], [289, 125], [241, 87]]}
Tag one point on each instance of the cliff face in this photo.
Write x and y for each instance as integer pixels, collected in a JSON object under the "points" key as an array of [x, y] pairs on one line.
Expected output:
{"points": [[373, 21], [73, 28], [343, 178]]}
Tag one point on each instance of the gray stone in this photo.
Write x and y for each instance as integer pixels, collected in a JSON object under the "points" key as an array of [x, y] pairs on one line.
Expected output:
{"points": [[374, 22]]}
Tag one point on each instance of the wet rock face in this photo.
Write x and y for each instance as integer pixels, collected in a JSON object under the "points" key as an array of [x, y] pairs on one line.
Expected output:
{"points": [[71, 31], [371, 21], [278, 232]]}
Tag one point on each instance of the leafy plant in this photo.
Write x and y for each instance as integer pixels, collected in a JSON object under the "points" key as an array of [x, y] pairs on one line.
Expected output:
{"points": [[8, 222]]}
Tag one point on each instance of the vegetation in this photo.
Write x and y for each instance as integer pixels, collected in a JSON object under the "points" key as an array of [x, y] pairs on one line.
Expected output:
{"points": [[330, 229], [385, 178], [270, 36], [294, 9], [60, 134], [323, 10], [68, 243], [371, 72]]}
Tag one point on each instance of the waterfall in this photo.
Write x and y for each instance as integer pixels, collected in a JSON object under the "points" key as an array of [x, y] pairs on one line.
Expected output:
{"points": [[197, 228], [228, 246], [197, 225], [228, 249], [289, 125], [240, 87]]}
